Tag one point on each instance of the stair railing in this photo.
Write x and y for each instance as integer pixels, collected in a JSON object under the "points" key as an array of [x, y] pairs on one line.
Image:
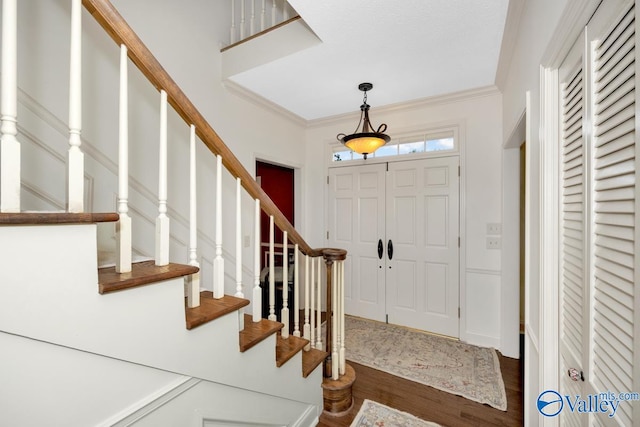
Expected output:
{"points": [[253, 17], [133, 49]]}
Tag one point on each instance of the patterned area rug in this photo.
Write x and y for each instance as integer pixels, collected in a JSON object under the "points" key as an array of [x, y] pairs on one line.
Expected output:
{"points": [[448, 365], [376, 414]]}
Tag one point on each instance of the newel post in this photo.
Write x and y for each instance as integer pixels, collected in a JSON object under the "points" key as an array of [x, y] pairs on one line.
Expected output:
{"points": [[330, 256]]}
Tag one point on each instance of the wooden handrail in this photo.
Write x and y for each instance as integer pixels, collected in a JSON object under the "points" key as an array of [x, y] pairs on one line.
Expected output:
{"points": [[115, 25]]}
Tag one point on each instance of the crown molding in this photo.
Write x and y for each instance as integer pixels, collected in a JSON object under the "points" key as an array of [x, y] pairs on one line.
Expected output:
{"points": [[260, 101], [418, 103], [509, 38]]}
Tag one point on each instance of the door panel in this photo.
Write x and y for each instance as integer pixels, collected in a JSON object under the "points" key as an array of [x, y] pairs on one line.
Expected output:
{"points": [[356, 223], [422, 222]]}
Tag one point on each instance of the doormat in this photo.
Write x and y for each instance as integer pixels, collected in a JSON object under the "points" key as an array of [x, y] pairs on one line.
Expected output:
{"points": [[376, 414], [442, 363]]}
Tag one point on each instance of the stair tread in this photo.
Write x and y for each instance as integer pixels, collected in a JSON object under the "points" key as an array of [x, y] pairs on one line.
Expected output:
{"points": [[311, 359], [211, 308], [36, 218], [287, 348], [142, 273], [254, 332]]}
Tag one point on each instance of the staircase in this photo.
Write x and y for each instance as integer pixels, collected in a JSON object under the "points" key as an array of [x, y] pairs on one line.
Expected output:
{"points": [[146, 343]]}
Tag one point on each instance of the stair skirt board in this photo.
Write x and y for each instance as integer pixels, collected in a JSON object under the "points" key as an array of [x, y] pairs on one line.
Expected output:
{"points": [[199, 403]]}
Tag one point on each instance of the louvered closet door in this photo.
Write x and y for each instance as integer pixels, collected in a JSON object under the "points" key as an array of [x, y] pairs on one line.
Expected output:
{"points": [[615, 302], [573, 280]]}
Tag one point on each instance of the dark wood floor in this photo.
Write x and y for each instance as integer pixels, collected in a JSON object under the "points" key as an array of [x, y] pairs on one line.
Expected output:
{"points": [[431, 404]]}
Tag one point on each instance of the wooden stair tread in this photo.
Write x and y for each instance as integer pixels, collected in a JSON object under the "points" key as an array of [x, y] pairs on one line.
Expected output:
{"points": [[287, 348], [211, 308], [142, 273], [47, 218], [254, 332], [311, 359]]}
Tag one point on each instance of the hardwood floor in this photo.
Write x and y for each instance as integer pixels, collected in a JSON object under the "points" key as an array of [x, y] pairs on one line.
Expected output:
{"points": [[434, 405]]}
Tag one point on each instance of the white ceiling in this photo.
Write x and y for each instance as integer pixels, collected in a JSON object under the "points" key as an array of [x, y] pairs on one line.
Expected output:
{"points": [[409, 50]]}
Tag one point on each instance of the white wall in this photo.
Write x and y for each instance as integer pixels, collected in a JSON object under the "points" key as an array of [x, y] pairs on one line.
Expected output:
{"points": [[479, 115]]}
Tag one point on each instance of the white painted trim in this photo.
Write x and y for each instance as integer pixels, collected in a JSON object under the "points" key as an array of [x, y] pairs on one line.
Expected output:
{"points": [[418, 103], [481, 340], [533, 338], [259, 101], [150, 403], [509, 38], [528, 367], [518, 134], [575, 16], [549, 231]]}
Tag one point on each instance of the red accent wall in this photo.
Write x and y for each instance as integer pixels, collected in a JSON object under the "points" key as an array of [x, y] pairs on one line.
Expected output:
{"points": [[277, 182]]}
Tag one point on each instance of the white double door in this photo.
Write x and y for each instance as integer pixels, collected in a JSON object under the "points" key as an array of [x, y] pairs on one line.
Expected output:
{"points": [[399, 222]]}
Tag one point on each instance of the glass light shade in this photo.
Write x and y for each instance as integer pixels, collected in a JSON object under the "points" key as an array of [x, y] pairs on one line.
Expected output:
{"points": [[366, 143]]}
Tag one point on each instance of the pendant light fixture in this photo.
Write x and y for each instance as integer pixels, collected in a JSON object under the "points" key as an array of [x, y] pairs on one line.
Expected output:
{"points": [[367, 140]]}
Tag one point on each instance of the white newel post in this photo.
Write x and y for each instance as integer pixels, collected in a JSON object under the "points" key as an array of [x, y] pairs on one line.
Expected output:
{"points": [[319, 307], [312, 290], [257, 294], [239, 292], [272, 273], [162, 221], [123, 226], [296, 292], [306, 329], [192, 282], [284, 313], [218, 263], [75, 165], [9, 145], [341, 318], [334, 321]]}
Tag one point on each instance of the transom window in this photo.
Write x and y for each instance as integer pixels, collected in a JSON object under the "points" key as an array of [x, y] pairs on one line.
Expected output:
{"points": [[426, 142]]}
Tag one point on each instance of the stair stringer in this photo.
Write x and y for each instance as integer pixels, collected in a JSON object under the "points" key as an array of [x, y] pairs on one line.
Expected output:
{"points": [[49, 292]]}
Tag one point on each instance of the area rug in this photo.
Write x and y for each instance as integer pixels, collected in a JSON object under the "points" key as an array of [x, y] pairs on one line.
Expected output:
{"points": [[445, 364], [376, 414]]}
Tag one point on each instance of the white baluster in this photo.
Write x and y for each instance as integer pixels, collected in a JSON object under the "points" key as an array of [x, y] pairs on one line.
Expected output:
{"points": [[319, 309], [263, 15], [75, 166], [162, 221], [306, 329], [284, 313], [272, 273], [9, 145], [341, 318], [296, 292], [312, 322], [334, 322], [123, 226], [257, 292], [232, 30], [242, 20], [218, 263], [239, 292], [252, 22], [285, 10], [192, 282], [273, 12]]}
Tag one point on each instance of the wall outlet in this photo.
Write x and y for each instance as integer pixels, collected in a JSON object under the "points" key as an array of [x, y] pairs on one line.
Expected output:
{"points": [[494, 228], [494, 243]]}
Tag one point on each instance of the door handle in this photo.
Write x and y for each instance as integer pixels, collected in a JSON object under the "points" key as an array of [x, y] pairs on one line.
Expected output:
{"points": [[380, 248], [390, 249]]}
